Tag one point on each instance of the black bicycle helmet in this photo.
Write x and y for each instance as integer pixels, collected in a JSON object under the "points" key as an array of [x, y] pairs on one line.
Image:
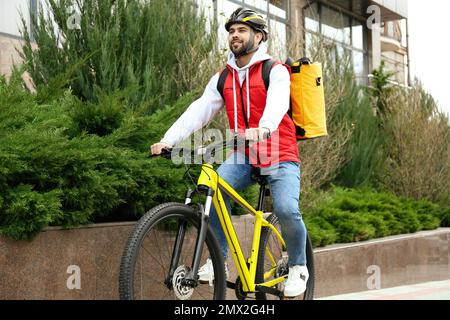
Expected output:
{"points": [[250, 18]]}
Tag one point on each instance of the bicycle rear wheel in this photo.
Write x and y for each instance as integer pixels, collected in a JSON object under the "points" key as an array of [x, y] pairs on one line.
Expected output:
{"points": [[145, 266], [276, 266]]}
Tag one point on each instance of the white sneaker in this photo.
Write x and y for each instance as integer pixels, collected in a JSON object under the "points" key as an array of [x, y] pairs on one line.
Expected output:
{"points": [[206, 272], [296, 281]]}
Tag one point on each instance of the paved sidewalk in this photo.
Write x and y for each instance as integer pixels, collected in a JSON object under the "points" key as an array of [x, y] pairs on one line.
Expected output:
{"points": [[437, 290]]}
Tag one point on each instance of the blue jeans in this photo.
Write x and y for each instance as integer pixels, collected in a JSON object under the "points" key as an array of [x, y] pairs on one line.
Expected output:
{"points": [[284, 183]]}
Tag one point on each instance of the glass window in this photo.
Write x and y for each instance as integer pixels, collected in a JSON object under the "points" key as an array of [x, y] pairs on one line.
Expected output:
{"points": [[403, 27], [335, 25], [259, 4], [344, 54], [227, 8], [277, 11], [253, 3], [309, 43], [358, 63], [279, 3], [312, 18], [346, 4], [278, 8], [341, 38], [277, 39], [357, 35]]}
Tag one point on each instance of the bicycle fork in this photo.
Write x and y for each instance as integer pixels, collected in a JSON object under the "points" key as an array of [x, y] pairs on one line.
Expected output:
{"points": [[191, 278]]}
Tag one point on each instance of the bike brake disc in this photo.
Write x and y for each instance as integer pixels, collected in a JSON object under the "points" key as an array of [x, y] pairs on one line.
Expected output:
{"points": [[182, 292]]}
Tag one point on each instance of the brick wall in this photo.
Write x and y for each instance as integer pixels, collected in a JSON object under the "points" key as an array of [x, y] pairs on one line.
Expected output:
{"points": [[8, 53]]}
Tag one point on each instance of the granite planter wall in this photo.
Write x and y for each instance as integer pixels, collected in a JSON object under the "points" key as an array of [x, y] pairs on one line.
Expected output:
{"points": [[83, 263]]}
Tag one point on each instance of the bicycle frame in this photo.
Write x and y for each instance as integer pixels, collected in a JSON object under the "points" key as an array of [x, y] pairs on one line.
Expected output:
{"points": [[216, 186]]}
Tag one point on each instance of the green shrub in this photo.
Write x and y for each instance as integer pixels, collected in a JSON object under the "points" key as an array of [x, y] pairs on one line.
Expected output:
{"points": [[381, 90], [28, 211], [93, 180], [351, 215], [321, 232], [52, 175], [13, 90], [57, 168], [138, 132], [101, 118], [444, 216]]}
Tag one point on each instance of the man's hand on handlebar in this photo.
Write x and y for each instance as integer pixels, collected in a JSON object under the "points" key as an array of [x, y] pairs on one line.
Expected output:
{"points": [[157, 148], [257, 134]]}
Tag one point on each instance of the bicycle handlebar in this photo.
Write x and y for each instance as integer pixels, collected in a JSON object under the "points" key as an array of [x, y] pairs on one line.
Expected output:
{"points": [[235, 142]]}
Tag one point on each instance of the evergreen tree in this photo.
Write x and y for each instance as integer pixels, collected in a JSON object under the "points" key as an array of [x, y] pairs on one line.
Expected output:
{"points": [[144, 45]]}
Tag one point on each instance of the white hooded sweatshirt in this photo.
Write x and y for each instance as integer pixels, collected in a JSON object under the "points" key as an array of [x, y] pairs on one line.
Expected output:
{"points": [[203, 110]]}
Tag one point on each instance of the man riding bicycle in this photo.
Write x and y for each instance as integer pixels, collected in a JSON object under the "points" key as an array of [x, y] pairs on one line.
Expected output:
{"points": [[256, 113]]}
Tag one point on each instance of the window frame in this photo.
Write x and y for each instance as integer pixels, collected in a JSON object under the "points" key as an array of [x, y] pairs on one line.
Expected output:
{"points": [[346, 46]]}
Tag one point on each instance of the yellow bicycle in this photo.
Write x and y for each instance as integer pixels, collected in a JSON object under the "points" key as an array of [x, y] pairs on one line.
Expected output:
{"points": [[168, 244]]}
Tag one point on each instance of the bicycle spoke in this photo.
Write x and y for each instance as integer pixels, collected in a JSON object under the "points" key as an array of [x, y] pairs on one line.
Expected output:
{"points": [[160, 255], [150, 254], [149, 258]]}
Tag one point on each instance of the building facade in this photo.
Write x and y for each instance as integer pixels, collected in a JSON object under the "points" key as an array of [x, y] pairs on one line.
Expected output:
{"points": [[368, 30], [10, 37], [371, 31]]}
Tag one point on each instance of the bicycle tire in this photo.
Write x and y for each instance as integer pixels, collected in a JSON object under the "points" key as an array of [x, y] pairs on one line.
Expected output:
{"points": [[275, 245], [156, 225]]}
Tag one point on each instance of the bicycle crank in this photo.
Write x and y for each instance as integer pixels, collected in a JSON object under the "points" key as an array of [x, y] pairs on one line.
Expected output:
{"points": [[239, 290]]}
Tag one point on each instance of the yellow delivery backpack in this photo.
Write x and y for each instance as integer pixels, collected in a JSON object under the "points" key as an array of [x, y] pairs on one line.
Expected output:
{"points": [[307, 97]]}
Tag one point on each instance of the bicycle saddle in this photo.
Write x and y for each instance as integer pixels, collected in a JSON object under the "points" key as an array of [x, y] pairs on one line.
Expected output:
{"points": [[257, 177]]}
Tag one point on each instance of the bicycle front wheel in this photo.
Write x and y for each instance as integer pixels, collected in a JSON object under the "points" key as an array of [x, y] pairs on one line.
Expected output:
{"points": [[271, 263], [145, 270]]}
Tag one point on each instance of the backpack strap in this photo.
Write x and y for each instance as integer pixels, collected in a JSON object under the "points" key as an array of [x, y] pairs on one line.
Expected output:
{"points": [[221, 83], [267, 67]]}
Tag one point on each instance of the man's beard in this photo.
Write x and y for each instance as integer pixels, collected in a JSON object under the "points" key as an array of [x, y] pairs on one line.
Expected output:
{"points": [[244, 48]]}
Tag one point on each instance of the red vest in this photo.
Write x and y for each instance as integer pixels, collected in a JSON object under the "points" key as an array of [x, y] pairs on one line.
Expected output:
{"points": [[282, 145]]}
